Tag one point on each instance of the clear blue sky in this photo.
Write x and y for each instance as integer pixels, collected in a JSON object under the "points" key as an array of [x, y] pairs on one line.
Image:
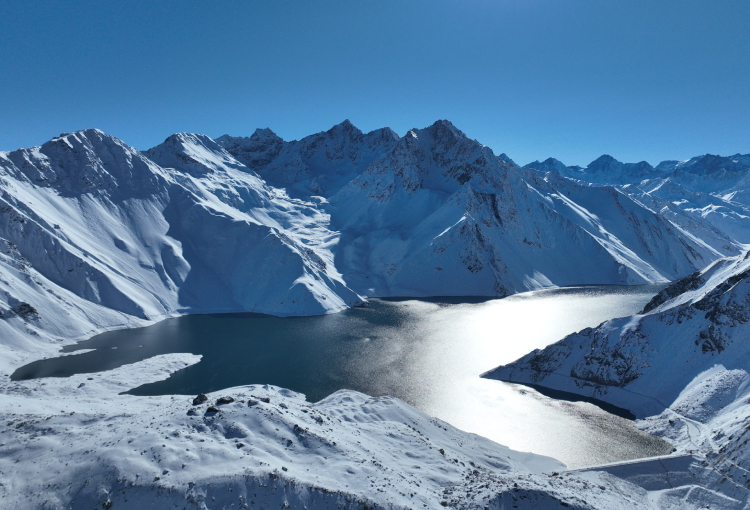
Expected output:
{"points": [[637, 79]]}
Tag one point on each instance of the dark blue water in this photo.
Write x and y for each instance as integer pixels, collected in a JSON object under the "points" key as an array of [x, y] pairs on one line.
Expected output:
{"points": [[428, 352]]}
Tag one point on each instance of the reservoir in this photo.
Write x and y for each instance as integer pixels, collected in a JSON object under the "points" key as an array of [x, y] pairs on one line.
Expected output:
{"points": [[429, 352]]}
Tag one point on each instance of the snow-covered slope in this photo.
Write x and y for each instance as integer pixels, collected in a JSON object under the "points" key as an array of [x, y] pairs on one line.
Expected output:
{"points": [[643, 362], [706, 195], [717, 211], [711, 416], [439, 214], [96, 235]]}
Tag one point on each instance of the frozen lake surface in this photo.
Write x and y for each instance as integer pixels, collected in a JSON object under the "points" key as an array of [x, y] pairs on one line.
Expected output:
{"points": [[427, 351]]}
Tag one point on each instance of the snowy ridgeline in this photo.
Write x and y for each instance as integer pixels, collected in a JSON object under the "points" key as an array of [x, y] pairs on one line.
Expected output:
{"points": [[95, 234], [644, 362], [706, 195]]}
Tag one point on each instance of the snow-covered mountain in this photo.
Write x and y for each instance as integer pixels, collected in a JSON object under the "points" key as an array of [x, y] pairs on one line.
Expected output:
{"points": [[439, 214], [643, 363], [96, 235], [706, 215], [556, 166], [682, 364], [603, 170], [701, 171]]}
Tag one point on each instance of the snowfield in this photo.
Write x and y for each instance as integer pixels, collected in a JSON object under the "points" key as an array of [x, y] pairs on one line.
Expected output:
{"points": [[78, 443], [96, 235]]}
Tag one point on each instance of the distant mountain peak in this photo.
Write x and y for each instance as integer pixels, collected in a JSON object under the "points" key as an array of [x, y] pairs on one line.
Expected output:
{"points": [[552, 165], [190, 138], [602, 161], [344, 128], [194, 153], [504, 157], [264, 134], [79, 137], [444, 130], [385, 133]]}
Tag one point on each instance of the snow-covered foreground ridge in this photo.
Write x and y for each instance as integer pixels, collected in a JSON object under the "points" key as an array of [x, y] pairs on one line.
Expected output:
{"points": [[644, 362], [78, 443]]}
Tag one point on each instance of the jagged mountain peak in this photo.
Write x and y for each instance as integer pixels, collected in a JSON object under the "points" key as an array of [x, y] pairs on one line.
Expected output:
{"points": [[186, 139], [264, 134], [84, 138], [79, 135], [260, 135], [668, 165], [85, 161], [506, 159], [604, 163], [194, 153], [549, 165], [604, 159], [385, 134], [319, 164], [715, 165], [345, 127], [439, 157], [443, 131]]}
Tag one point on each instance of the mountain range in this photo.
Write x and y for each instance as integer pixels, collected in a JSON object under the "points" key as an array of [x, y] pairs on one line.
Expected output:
{"points": [[99, 234]]}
